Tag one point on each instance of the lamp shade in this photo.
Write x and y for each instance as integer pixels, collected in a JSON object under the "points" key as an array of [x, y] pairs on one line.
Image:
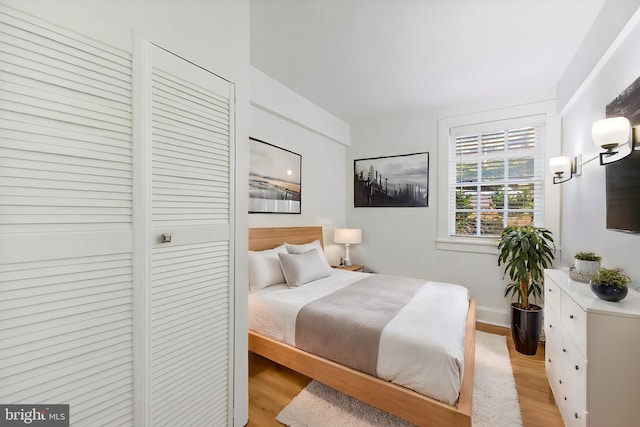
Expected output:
{"points": [[347, 235], [560, 164], [611, 132]]}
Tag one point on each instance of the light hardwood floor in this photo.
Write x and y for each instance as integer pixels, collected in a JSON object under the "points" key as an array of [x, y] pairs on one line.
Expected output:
{"points": [[271, 387]]}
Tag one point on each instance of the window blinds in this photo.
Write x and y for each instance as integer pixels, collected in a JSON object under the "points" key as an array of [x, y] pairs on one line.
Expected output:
{"points": [[496, 176]]}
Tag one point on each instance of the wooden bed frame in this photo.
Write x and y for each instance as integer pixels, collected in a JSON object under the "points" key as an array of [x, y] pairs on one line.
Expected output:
{"points": [[403, 402]]}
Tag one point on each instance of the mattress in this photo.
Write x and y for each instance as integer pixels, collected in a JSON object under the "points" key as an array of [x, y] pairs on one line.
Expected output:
{"points": [[421, 347]]}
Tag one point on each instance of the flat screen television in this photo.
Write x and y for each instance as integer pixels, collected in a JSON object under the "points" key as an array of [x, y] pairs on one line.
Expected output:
{"points": [[623, 194]]}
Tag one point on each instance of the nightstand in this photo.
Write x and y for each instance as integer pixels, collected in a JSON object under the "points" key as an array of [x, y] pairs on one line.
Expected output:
{"points": [[353, 267]]}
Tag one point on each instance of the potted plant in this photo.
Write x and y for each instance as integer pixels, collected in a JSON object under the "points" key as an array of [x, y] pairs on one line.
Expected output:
{"points": [[610, 284], [525, 251], [587, 263]]}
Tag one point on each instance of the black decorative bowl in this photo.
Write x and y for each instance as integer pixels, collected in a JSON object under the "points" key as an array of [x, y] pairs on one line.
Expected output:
{"points": [[610, 293]]}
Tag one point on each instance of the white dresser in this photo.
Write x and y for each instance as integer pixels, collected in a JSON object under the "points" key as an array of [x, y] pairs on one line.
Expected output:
{"points": [[592, 353]]}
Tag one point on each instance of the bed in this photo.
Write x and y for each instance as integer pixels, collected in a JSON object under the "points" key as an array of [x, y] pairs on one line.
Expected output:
{"points": [[402, 401]]}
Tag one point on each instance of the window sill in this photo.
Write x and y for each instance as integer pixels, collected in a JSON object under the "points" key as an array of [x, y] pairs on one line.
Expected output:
{"points": [[480, 245]]}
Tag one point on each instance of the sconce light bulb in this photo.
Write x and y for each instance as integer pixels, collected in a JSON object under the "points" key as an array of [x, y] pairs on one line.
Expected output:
{"points": [[611, 132], [560, 164]]}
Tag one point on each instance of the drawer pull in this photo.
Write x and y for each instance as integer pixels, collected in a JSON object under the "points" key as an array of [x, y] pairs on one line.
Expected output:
{"points": [[571, 316], [565, 398], [564, 350], [560, 381], [575, 415], [577, 367], [549, 359], [550, 326]]}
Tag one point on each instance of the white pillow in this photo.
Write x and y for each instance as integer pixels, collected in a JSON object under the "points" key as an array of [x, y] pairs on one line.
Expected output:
{"points": [[303, 268], [264, 268], [298, 249]]}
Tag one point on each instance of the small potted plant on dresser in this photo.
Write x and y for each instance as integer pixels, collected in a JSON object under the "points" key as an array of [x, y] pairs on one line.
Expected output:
{"points": [[525, 251], [610, 284], [587, 263]]}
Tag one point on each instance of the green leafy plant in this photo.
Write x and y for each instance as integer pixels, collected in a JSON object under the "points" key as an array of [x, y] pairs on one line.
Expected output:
{"points": [[525, 251], [587, 256], [610, 277], [465, 224]]}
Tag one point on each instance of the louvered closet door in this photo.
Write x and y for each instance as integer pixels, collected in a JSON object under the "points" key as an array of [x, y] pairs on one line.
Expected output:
{"points": [[190, 314], [65, 221]]}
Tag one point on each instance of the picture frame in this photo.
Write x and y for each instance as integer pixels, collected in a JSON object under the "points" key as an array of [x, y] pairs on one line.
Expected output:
{"points": [[392, 181], [274, 179], [627, 104]]}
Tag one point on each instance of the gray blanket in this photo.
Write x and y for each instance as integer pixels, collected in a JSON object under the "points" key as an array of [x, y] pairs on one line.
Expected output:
{"points": [[345, 326]]}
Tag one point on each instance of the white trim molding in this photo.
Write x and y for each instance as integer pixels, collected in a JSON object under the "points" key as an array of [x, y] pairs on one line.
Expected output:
{"points": [[271, 96], [552, 149]]}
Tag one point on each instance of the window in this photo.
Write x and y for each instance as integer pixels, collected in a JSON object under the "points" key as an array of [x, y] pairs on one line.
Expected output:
{"points": [[495, 168], [495, 177]]}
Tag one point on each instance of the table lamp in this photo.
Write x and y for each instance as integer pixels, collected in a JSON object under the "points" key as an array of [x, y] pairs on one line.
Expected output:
{"points": [[348, 236]]}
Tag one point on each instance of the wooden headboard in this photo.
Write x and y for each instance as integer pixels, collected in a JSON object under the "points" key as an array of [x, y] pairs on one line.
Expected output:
{"points": [[267, 238]]}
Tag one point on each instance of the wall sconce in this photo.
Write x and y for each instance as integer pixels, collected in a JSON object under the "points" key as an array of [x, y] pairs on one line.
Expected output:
{"points": [[610, 134], [562, 165], [348, 236]]}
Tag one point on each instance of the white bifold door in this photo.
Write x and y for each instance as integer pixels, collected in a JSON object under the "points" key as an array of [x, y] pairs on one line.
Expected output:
{"points": [[115, 222], [189, 311]]}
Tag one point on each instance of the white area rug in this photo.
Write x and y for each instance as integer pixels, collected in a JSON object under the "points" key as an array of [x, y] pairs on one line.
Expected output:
{"points": [[495, 398]]}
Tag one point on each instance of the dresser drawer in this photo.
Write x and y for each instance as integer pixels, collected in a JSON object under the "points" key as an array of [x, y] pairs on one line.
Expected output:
{"points": [[552, 330], [552, 295], [574, 372], [574, 322], [573, 411], [573, 414], [552, 354], [571, 407], [554, 375]]}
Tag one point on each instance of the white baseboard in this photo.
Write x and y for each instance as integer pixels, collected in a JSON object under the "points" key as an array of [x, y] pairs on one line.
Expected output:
{"points": [[493, 316]]}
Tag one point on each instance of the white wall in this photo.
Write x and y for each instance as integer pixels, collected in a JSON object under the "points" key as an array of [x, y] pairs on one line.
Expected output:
{"points": [[395, 240], [212, 34], [610, 21], [280, 101], [583, 207], [275, 118], [402, 241]]}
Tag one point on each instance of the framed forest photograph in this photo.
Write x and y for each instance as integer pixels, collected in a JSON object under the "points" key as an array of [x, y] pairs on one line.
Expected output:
{"points": [[274, 179], [391, 181]]}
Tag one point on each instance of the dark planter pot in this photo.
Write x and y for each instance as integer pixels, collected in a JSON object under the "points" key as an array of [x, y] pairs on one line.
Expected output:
{"points": [[525, 328], [610, 293]]}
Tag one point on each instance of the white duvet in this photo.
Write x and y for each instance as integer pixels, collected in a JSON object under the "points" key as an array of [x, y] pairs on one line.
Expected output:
{"points": [[421, 348]]}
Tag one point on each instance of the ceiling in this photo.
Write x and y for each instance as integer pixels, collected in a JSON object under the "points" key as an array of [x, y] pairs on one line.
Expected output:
{"points": [[362, 59]]}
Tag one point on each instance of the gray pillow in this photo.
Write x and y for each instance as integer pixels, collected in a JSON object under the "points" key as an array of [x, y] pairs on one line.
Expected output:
{"points": [[303, 268], [298, 249]]}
